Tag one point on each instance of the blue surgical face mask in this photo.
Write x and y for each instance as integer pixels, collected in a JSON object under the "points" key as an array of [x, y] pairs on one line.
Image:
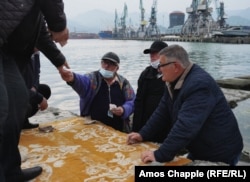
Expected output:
{"points": [[106, 73], [155, 64]]}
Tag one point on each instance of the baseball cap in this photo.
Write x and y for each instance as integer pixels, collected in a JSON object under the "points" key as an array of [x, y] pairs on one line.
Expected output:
{"points": [[111, 57], [156, 46]]}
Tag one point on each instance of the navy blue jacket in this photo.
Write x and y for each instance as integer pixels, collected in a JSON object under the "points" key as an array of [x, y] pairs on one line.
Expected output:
{"points": [[202, 121]]}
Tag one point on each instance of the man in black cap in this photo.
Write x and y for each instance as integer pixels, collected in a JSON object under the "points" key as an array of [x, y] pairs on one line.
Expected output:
{"points": [[104, 94], [149, 92]]}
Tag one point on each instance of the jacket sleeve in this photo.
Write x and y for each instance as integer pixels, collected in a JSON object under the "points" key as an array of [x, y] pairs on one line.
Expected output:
{"points": [[36, 67], [198, 103], [35, 97], [128, 106], [46, 45], [81, 85], [55, 17], [158, 120], [138, 103]]}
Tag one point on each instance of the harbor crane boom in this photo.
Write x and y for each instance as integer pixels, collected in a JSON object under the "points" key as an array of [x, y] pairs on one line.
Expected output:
{"points": [[141, 30], [116, 24], [124, 16], [152, 29], [200, 21], [221, 15], [123, 21], [143, 22]]}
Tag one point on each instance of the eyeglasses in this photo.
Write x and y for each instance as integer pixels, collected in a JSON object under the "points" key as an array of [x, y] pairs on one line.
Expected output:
{"points": [[165, 64]]}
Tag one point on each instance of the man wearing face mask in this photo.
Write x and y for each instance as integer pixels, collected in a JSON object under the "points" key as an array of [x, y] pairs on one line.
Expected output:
{"points": [[104, 94], [150, 90]]}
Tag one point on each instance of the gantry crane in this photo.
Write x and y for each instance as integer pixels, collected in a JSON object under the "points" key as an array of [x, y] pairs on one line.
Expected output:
{"points": [[123, 30], [115, 34], [152, 29], [141, 31], [221, 15], [200, 21]]}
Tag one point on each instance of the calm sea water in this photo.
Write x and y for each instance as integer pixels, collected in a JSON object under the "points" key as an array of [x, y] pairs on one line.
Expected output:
{"points": [[220, 60]]}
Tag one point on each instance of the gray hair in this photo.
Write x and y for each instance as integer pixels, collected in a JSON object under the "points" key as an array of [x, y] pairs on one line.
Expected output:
{"points": [[177, 52]]}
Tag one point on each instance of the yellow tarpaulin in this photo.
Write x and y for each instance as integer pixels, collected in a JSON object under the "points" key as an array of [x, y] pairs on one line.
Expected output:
{"points": [[75, 151]]}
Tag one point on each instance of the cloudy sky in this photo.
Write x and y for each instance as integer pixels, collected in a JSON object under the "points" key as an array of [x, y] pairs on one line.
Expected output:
{"points": [[75, 7]]}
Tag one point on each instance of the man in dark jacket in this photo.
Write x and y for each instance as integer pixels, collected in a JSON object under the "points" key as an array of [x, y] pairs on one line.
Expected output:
{"points": [[149, 91], [202, 120], [22, 29], [38, 93]]}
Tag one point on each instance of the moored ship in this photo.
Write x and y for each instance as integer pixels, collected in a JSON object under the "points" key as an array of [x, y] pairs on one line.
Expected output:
{"points": [[82, 35], [234, 31], [105, 34], [237, 31]]}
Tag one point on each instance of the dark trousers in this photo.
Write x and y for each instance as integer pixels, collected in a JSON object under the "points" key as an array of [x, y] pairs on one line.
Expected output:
{"points": [[44, 90], [13, 107]]}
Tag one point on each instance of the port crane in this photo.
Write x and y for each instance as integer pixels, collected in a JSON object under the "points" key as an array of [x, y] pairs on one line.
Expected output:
{"points": [[200, 21], [221, 15], [123, 30], [141, 31], [152, 29], [115, 35]]}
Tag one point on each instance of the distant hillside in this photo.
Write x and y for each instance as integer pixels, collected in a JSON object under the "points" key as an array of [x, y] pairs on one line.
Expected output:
{"points": [[92, 21], [244, 13], [95, 20], [238, 17], [238, 21]]}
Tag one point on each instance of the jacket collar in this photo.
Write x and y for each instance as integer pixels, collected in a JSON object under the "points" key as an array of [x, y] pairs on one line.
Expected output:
{"points": [[180, 81], [183, 76]]}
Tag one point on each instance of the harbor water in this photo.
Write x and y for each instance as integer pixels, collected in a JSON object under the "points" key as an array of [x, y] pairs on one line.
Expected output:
{"points": [[83, 55]]}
